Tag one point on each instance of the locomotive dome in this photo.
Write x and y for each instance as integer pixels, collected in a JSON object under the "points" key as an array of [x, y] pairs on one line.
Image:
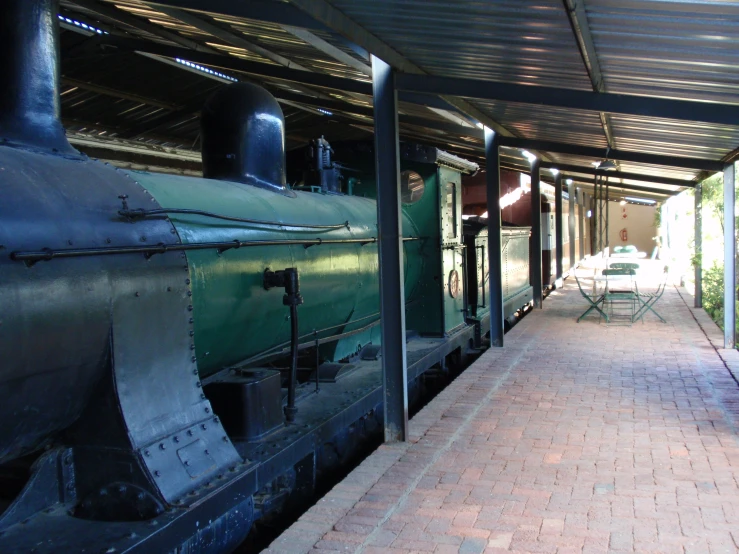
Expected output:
{"points": [[243, 133]]}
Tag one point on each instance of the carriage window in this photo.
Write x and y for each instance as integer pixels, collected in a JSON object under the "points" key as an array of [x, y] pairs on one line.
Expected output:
{"points": [[451, 210], [411, 187]]}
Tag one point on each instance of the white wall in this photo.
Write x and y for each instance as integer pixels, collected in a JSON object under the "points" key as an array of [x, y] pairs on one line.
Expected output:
{"points": [[638, 222]]}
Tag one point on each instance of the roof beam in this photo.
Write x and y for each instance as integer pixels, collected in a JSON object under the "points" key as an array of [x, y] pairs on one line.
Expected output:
{"points": [[646, 106], [581, 29], [238, 64], [113, 131], [158, 121], [314, 99], [367, 111], [227, 36], [328, 49], [163, 53], [116, 150], [84, 85], [236, 38], [280, 13], [122, 16], [274, 71], [657, 194], [618, 174], [622, 155], [332, 18]]}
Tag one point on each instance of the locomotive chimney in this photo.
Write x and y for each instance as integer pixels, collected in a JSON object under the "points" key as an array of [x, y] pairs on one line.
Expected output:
{"points": [[29, 88], [243, 133]]}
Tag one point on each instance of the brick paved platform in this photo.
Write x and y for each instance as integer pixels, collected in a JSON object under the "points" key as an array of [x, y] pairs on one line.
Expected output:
{"points": [[573, 438]]}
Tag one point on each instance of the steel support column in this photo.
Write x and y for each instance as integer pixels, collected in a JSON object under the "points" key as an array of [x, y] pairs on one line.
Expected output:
{"points": [[698, 246], [592, 224], [581, 221], [390, 246], [571, 221], [536, 276], [558, 240], [596, 212], [607, 229], [495, 252], [729, 259]]}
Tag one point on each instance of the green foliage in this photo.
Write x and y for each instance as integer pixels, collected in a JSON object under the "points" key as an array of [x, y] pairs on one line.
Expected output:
{"points": [[713, 294], [713, 197], [697, 258], [712, 190]]}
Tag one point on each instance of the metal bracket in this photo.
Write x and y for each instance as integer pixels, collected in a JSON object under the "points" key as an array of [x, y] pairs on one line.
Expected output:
{"points": [[52, 482]]}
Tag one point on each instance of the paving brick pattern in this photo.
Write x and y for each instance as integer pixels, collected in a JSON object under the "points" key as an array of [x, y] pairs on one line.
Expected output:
{"points": [[574, 438]]}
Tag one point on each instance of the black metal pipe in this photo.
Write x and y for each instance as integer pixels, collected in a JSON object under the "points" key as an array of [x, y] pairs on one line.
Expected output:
{"points": [[136, 214], [29, 88], [318, 359], [290, 410], [290, 281], [31, 256], [293, 299]]}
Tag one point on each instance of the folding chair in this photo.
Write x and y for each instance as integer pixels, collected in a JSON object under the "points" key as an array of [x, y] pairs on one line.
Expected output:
{"points": [[620, 303], [647, 300], [593, 299]]}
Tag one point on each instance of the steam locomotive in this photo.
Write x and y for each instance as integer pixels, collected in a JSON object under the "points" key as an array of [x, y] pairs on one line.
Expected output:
{"points": [[181, 357]]}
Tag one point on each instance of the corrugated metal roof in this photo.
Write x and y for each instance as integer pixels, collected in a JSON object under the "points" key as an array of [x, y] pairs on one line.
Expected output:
{"points": [[517, 41], [673, 49], [546, 123], [671, 137], [678, 49]]}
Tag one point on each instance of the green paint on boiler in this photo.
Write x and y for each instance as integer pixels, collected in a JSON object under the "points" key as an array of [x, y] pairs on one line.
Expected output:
{"points": [[235, 317]]}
